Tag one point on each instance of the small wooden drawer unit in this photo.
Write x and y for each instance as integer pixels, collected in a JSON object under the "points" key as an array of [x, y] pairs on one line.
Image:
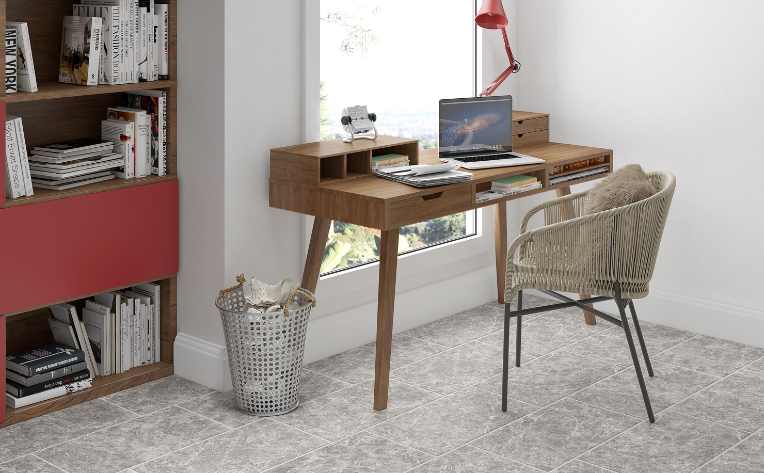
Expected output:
{"points": [[529, 128]]}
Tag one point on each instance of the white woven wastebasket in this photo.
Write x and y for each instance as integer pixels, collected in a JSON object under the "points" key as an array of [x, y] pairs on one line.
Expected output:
{"points": [[265, 350]]}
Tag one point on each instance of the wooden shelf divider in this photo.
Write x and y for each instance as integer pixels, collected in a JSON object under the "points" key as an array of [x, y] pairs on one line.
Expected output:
{"points": [[55, 90]]}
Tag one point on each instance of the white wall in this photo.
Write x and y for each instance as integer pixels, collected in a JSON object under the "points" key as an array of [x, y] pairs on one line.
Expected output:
{"points": [[673, 85], [241, 75]]}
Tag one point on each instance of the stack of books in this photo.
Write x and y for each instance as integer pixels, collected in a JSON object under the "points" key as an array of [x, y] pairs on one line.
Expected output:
{"points": [[389, 160], [516, 184], [45, 373], [139, 132], [67, 165], [18, 179], [130, 36]]}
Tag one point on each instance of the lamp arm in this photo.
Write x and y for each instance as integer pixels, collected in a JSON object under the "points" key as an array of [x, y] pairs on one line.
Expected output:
{"points": [[514, 66]]}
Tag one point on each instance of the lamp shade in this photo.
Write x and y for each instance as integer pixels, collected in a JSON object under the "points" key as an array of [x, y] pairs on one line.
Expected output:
{"points": [[491, 15]]}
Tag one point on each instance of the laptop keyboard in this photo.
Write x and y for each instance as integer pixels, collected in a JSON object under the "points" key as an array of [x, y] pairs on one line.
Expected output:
{"points": [[484, 157]]}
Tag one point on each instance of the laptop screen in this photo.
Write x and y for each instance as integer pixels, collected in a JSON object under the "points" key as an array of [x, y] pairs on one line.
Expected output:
{"points": [[474, 125]]}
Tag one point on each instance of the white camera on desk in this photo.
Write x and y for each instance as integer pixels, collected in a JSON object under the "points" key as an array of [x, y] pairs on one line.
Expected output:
{"points": [[358, 123]]}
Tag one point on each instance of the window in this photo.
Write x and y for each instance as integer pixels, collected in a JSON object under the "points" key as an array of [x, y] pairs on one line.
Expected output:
{"points": [[397, 58]]}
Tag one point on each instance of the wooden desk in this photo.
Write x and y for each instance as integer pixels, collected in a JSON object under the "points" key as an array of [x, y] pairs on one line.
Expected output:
{"points": [[333, 181]]}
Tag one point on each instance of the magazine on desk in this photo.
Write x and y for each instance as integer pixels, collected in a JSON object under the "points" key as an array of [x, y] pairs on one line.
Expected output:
{"points": [[424, 175]]}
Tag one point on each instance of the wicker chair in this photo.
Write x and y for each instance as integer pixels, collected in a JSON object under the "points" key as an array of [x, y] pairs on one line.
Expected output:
{"points": [[610, 254]]}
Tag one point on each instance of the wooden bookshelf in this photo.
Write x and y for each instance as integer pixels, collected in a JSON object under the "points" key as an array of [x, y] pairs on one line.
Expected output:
{"points": [[61, 246]]}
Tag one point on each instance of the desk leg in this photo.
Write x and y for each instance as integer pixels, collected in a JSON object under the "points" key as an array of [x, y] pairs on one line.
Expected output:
{"points": [[500, 236], [388, 263], [315, 253], [589, 317]]}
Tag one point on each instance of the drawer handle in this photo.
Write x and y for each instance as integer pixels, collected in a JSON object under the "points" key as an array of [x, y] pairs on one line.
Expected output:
{"points": [[520, 122], [432, 196], [521, 135]]}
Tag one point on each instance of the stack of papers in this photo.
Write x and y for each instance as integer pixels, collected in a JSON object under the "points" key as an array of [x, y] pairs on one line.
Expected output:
{"points": [[426, 175]]}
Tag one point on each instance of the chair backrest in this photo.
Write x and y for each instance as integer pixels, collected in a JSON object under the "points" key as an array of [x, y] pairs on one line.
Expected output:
{"points": [[636, 236]]}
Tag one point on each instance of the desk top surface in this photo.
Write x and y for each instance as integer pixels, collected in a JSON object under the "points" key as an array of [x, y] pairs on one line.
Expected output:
{"points": [[373, 187]]}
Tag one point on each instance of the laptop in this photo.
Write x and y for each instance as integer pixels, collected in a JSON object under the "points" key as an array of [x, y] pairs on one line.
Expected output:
{"points": [[477, 133]]}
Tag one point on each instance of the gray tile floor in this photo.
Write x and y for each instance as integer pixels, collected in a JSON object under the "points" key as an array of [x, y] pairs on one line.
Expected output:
{"points": [[575, 407]]}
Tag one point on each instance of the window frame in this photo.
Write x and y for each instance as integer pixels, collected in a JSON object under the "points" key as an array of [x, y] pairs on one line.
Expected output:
{"points": [[353, 287]]}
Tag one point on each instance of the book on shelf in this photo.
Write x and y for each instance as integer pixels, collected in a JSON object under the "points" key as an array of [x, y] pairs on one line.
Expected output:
{"points": [[154, 103], [163, 12], [18, 402], [17, 390], [516, 184], [81, 42], [63, 333], [142, 122], [18, 180], [11, 60], [43, 377], [136, 39], [43, 359], [27, 79], [100, 326], [122, 134], [67, 314], [110, 62], [75, 163], [389, 160]]}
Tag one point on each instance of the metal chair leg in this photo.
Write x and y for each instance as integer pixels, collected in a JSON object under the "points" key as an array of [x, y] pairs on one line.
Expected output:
{"points": [[641, 338], [518, 344], [505, 359], [622, 309]]}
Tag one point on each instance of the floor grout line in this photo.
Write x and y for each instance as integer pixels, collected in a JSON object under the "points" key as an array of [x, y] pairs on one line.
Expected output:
{"points": [[721, 454], [49, 463]]}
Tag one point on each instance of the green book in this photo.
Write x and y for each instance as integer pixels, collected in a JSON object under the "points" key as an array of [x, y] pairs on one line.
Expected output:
{"points": [[389, 157], [515, 181]]}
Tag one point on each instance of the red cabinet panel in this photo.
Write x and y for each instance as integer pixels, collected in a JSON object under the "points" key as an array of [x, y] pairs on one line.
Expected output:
{"points": [[63, 249]]}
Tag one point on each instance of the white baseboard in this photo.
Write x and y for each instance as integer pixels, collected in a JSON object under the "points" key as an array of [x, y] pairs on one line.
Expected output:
{"points": [[206, 363], [715, 319], [202, 362]]}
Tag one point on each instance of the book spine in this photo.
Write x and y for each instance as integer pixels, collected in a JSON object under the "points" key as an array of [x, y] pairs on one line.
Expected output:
{"points": [[163, 134], [11, 60], [96, 43], [115, 52], [23, 391], [24, 158], [163, 10], [27, 76], [42, 378], [16, 403], [14, 177], [142, 45]]}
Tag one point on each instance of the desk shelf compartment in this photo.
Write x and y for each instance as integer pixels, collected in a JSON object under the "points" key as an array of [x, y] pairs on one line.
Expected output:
{"points": [[486, 186], [571, 169]]}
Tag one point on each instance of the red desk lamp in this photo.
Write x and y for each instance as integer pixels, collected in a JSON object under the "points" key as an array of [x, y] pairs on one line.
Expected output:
{"points": [[491, 16]]}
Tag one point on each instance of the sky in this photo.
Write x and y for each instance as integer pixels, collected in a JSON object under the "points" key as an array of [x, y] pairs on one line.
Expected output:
{"points": [[417, 52]]}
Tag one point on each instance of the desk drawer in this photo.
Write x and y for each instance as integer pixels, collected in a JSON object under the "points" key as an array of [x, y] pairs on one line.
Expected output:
{"points": [[530, 138], [529, 125], [430, 205]]}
